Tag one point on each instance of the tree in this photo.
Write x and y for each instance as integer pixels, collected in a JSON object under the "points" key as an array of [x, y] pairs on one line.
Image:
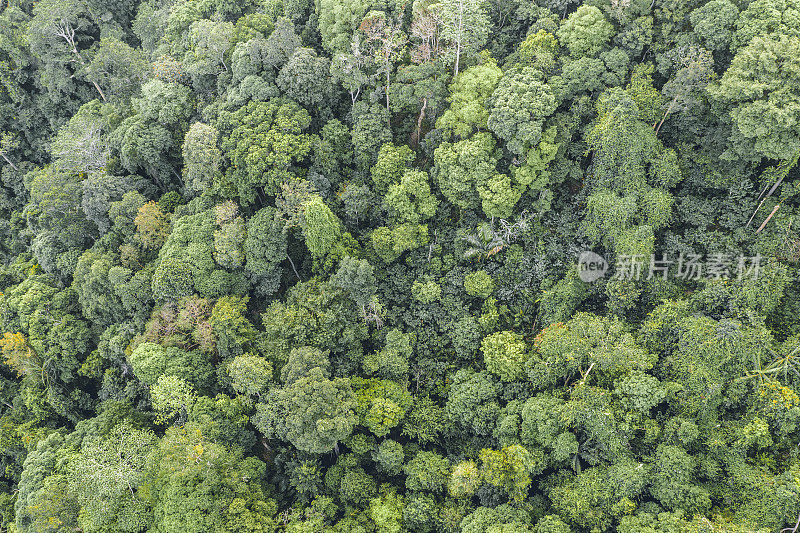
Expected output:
{"points": [[469, 93], [552, 524], [333, 153], [338, 20], [265, 142], [107, 474], [201, 485], [696, 70], [202, 158], [389, 456], [392, 361], [520, 105], [421, 90], [425, 421], [19, 355], [314, 314], [152, 225], [629, 202], [591, 500], [150, 361], [250, 374], [427, 471], [186, 261], [563, 351], [57, 30], [172, 397], [117, 67], [419, 513], [92, 280], [321, 227], [234, 334], [352, 69], [314, 412], [464, 26], [54, 215], [390, 166], [714, 23], [508, 468], [673, 470], [464, 480], [382, 416], [229, 236], [357, 487], [205, 59], [172, 279], [766, 17], [504, 354], [484, 519], [123, 212], [302, 360], [265, 250], [370, 133], [48, 322], [585, 32], [472, 401], [44, 501], [356, 277], [281, 43], [387, 41], [752, 95], [390, 244], [81, 145], [479, 284], [151, 138], [100, 191], [499, 196], [623, 144], [411, 200], [464, 168], [305, 78]]}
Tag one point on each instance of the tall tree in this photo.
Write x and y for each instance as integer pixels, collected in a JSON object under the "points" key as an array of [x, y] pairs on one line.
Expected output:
{"points": [[465, 27]]}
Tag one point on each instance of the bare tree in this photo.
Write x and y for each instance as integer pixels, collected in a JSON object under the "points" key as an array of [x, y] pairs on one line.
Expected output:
{"points": [[465, 26], [425, 29], [64, 30], [388, 41], [695, 69], [351, 69], [80, 146], [8, 142]]}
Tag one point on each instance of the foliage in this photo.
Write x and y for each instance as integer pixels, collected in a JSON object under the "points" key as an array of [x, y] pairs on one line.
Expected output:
{"points": [[504, 355], [264, 143], [359, 266]]}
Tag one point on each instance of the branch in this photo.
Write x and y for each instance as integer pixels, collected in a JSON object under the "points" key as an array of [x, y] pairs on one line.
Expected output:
{"points": [[768, 219], [9, 161], [669, 109], [792, 529], [66, 32], [293, 267]]}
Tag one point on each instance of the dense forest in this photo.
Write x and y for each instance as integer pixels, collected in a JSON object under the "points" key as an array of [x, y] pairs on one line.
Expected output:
{"points": [[441, 266]]}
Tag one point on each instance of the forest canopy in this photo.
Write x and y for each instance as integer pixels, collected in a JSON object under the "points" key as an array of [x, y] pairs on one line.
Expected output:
{"points": [[370, 266]]}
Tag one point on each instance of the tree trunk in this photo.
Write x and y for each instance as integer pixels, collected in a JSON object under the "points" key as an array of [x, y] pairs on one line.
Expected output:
{"points": [[671, 105], [388, 66], [418, 132], [9, 162]]}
